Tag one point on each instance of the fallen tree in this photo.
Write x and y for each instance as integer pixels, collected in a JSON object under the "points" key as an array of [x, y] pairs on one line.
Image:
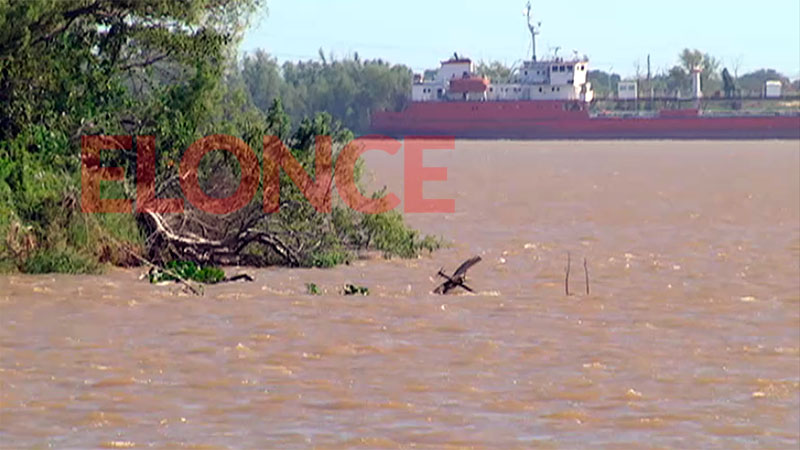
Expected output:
{"points": [[297, 235]]}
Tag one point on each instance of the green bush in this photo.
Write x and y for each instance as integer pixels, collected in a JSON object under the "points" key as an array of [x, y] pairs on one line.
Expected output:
{"points": [[329, 258], [189, 271]]}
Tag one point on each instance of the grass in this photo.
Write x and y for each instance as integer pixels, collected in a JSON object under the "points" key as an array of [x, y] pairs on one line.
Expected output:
{"points": [[60, 260]]}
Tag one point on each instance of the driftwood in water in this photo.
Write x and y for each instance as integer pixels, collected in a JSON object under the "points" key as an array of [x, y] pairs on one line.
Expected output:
{"points": [[242, 277], [458, 279]]}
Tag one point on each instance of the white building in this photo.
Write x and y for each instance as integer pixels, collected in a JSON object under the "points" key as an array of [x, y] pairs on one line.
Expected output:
{"points": [[628, 90], [772, 89]]}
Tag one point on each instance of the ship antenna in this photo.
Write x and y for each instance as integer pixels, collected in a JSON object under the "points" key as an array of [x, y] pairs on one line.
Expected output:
{"points": [[533, 28]]}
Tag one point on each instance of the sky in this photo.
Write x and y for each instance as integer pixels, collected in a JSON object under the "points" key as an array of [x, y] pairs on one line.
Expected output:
{"points": [[615, 34]]}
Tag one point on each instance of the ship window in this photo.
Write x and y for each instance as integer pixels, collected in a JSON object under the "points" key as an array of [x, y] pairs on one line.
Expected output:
{"points": [[526, 72], [540, 89], [561, 69], [555, 68], [552, 89], [569, 68]]}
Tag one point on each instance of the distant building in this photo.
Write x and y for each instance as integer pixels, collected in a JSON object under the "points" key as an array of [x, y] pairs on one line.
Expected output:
{"points": [[627, 90], [772, 89]]}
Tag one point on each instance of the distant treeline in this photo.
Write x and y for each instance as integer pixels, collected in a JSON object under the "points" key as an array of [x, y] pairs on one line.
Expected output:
{"points": [[677, 81], [350, 88]]}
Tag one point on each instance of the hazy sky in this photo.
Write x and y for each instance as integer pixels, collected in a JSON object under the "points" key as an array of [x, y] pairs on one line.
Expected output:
{"points": [[613, 33]]}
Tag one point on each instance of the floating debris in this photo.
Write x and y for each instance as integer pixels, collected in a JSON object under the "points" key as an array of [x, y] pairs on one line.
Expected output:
{"points": [[313, 289], [351, 289]]}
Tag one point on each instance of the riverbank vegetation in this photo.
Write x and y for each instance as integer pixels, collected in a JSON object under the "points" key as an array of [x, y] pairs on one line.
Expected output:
{"points": [[165, 69], [170, 69]]}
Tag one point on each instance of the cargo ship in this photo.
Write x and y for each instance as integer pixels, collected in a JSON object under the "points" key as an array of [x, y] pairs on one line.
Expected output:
{"points": [[553, 99]]}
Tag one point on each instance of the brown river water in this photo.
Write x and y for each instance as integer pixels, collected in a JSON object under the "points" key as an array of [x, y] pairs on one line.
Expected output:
{"points": [[689, 338]]}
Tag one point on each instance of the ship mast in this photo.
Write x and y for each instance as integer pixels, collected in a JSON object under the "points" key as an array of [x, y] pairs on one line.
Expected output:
{"points": [[533, 28]]}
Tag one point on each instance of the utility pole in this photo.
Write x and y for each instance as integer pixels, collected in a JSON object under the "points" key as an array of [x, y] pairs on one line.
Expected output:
{"points": [[649, 82]]}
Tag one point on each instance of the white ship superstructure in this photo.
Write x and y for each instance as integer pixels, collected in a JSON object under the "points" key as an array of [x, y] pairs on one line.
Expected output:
{"points": [[555, 79]]}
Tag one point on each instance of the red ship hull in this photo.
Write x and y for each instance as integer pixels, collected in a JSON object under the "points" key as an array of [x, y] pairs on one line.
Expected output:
{"points": [[565, 120]]}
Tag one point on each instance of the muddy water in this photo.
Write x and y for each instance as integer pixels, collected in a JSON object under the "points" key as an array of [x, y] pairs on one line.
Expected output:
{"points": [[690, 336]]}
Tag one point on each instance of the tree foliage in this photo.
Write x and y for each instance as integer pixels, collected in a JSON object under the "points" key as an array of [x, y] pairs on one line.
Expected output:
{"points": [[496, 71], [348, 89], [167, 69]]}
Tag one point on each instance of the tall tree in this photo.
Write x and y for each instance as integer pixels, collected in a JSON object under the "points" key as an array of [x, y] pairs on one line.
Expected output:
{"points": [[63, 63]]}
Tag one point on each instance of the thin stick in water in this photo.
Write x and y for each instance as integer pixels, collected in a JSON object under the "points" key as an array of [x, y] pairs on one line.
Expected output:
{"points": [[566, 279], [586, 271]]}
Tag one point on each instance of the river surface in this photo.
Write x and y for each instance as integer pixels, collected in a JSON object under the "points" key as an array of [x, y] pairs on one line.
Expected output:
{"points": [[689, 337]]}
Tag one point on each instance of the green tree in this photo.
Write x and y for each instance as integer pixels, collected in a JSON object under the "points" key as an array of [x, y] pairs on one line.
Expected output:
{"points": [[710, 79], [603, 83], [496, 71], [348, 89], [753, 83], [163, 68], [77, 67]]}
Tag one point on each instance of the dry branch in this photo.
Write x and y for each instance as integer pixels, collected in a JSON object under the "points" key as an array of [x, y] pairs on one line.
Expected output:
{"points": [[225, 251]]}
